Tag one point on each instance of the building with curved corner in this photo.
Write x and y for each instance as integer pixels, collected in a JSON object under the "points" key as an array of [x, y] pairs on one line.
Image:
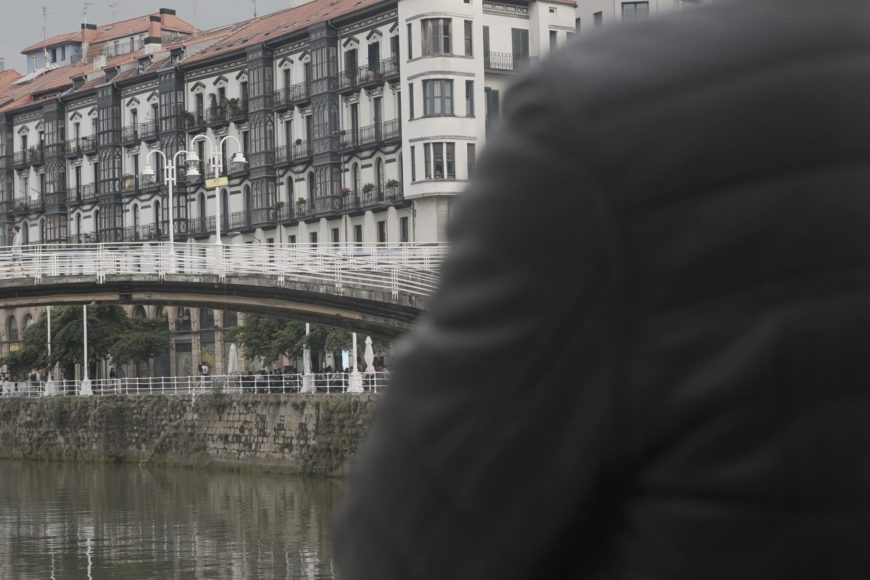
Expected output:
{"points": [[360, 121]]}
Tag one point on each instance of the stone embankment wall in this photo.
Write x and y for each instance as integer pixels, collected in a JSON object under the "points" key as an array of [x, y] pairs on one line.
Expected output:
{"points": [[309, 434]]}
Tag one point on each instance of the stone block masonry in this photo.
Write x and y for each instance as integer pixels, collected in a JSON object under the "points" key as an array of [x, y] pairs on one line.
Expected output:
{"points": [[306, 434]]}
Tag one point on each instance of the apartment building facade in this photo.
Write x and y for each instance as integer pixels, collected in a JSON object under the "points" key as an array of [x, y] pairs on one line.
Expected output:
{"points": [[360, 122]]}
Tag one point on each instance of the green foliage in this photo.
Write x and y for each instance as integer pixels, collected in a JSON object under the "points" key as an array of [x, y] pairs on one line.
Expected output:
{"points": [[267, 338], [110, 334], [32, 353], [141, 339]]}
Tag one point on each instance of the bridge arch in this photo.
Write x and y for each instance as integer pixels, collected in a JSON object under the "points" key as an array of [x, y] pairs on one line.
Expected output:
{"points": [[379, 289]]}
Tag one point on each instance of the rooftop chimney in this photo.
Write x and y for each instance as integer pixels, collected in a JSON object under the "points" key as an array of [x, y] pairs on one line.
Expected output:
{"points": [[168, 11], [155, 30], [87, 34]]}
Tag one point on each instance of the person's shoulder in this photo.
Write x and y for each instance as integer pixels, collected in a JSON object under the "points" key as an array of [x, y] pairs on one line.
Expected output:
{"points": [[627, 61]]}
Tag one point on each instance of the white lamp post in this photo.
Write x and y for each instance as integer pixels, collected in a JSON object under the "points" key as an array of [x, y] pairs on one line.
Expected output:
{"points": [[216, 160], [49, 384], [355, 376], [170, 175], [86, 382]]}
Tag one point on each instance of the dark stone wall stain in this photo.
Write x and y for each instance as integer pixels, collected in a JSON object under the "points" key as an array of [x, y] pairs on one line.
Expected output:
{"points": [[316, 434]]}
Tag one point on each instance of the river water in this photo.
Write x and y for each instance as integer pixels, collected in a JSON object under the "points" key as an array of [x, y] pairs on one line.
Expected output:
{"points": [[69, 521]]}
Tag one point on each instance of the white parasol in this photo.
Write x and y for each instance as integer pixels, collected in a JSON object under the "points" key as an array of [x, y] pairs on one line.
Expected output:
{"points": [[369, 357], [233, 360]]}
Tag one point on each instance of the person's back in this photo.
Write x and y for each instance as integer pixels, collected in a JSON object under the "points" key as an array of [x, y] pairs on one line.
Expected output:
{"points": [[650, 354]]}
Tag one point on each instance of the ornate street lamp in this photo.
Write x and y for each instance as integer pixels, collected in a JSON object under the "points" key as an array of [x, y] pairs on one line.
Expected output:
{"points": [[215, 160]]}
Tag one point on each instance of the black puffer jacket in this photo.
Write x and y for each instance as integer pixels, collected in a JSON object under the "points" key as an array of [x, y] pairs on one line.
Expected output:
{"points": [[650, 357]]}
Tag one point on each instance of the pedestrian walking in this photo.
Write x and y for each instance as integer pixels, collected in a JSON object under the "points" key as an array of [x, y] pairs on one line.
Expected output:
{"points": [[17, 267]]}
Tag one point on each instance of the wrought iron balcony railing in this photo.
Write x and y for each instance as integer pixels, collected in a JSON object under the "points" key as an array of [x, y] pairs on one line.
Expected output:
{"points": [[290, 96], [130, 134], [505, 62], [148, 130], [298, 151]]}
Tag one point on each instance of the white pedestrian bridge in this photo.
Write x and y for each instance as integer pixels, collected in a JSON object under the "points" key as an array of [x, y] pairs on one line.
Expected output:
{"points": [[379, 289]]}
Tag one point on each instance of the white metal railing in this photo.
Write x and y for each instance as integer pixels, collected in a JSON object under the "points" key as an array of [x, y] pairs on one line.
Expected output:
{"points": [[400, 268], [239, 383]]}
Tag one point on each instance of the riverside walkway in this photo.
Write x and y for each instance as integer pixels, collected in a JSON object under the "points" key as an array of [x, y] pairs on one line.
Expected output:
{"points": [[198, 385]]}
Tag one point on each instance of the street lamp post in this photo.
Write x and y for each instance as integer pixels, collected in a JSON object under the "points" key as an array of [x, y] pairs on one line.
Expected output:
{"points": [[86, 382], [170, 175], [216, 159], [49, 384]]}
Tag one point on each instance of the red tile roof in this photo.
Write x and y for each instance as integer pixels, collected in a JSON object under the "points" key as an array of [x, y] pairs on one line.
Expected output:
{"points": [[54, 40], [277, 24], [124, 28]]}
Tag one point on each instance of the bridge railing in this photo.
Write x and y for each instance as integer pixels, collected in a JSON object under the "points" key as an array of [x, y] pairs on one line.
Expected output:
{"points": [[400, 268], [198, 385]]}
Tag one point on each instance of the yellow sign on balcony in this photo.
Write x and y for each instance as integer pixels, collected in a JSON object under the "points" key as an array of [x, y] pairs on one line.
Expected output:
{"points": [[216, 182]]}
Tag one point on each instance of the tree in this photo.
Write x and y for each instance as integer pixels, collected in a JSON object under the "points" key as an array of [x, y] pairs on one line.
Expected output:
{"points": [[32, 352], [110, 334], [267, 338], [139, 341], [105, 325], [263, 337]]}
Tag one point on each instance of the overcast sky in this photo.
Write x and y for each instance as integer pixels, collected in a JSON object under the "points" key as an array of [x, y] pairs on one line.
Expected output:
{"points": [[24, 26]]}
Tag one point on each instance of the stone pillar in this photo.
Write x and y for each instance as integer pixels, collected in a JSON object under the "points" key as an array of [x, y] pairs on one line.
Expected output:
{"points": [[219, 347]]}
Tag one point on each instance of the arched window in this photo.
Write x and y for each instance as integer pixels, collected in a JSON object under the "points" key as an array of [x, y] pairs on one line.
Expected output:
{"points": [[12, 329], [290, 191], [136, 215], [79, 226], [28, 320], [97, 225], [157, 213], [231, 318], [225, 205], [206, 319], [42, 230], [25, 233], [160, 314], [182, 319], [138, 311], [311, 187]]}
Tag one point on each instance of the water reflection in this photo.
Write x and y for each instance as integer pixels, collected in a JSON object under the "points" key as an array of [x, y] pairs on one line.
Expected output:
{"points": [[119, 521]]}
